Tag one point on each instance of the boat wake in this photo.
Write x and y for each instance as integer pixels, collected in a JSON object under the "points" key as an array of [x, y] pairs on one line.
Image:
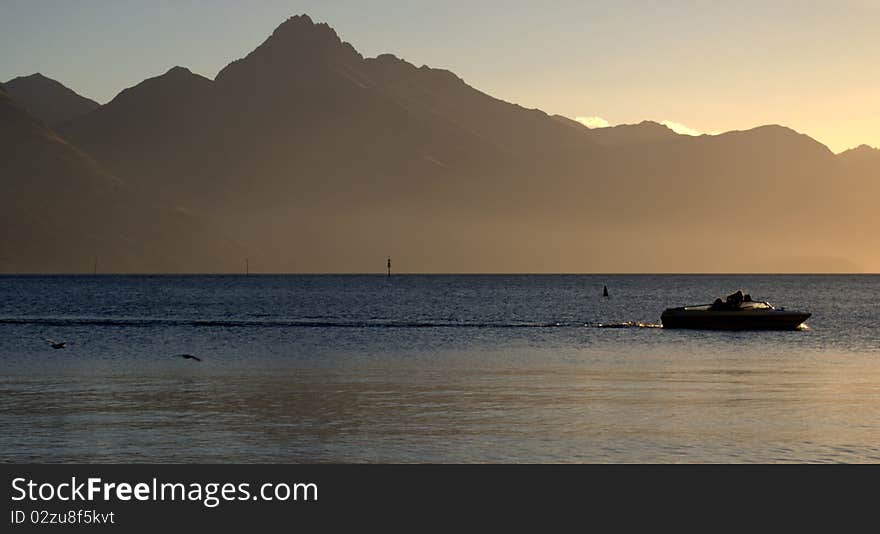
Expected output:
{"points": [[629, 324], [146, 322]]}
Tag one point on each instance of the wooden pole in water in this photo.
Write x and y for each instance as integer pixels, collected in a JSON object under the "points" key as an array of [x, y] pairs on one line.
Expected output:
{"points": [[389, 265]]}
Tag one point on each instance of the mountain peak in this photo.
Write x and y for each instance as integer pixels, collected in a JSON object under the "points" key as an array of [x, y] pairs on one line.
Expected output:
{"points": [[47, 99], [297, 43], [775, 129], [863, 149], [654, 125], [179, 71], [297, 23], [34, 79], [34, 76], [644, 132], [174, 84], [301, 33], [861, 154], [782, 140]]}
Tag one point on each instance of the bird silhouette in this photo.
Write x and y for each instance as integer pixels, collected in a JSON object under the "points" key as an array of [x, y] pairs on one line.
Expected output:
{"points": [[190, 357], [56, 344]]}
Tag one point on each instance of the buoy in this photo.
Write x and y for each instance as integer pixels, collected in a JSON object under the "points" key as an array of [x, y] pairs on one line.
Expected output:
{"points": [[605, 291]]}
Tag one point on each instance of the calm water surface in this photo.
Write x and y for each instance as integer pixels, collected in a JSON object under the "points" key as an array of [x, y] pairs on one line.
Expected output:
{"points": [[432, 369]]}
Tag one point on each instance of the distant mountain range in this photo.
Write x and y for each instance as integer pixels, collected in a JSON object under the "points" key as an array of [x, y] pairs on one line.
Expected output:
{"points": [[307, 157]]}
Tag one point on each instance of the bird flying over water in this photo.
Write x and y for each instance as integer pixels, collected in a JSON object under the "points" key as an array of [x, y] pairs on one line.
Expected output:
{"points": [[190, 357], [56, 344]]}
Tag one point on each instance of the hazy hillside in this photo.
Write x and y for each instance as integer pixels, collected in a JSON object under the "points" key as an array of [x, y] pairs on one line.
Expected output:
{"points": [[862, 157], [60, 212], [625, 134], [318, 159], [48, 100]]}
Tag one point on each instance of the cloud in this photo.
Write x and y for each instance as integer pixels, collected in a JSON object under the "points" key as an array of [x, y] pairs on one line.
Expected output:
{"points": [[593, 122], [680, 128]]}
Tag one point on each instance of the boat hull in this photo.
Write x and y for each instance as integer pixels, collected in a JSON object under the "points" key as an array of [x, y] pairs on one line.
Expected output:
{"points": [[732, 319]]}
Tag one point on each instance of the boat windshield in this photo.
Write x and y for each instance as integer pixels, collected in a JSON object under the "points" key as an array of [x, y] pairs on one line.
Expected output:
{"points": [[755, 306], [701, 307], [748, 305]]}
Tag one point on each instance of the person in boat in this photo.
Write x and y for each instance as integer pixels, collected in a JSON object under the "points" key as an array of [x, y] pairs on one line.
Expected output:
{"points": [[731, 302], [735, 299]]}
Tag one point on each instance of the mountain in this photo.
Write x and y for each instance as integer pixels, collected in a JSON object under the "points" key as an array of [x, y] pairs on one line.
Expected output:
{"points": [[862, 155], [860, 179], [304, 128], [152, 132], [626, 134], [62, 212], [318, 159], [48, 100]]}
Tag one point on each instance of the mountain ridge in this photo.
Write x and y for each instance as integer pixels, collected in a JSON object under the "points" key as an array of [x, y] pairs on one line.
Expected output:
{"points": [[49, 100], [315, 157], [62, 211]]}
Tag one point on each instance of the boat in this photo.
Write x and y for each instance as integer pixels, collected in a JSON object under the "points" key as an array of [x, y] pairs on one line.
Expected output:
{"points": [[737, 312]]}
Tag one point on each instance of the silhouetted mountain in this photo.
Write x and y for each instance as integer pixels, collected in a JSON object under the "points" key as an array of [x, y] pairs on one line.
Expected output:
{"points": [[305, 117], [296, 47], [48, 100], [442, 95], [318, 159], [860, 179], [154, 132], [61, 211], [631, 134], [861, 155]]}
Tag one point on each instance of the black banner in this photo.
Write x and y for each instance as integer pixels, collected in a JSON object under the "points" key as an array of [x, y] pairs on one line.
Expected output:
{"points": [[133, 498]]}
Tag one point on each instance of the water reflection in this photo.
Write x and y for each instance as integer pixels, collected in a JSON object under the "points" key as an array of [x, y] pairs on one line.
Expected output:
{"points": [[655, 409]]}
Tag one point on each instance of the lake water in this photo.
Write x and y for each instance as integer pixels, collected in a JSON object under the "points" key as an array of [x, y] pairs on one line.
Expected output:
{"points": [[432, 369]]}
